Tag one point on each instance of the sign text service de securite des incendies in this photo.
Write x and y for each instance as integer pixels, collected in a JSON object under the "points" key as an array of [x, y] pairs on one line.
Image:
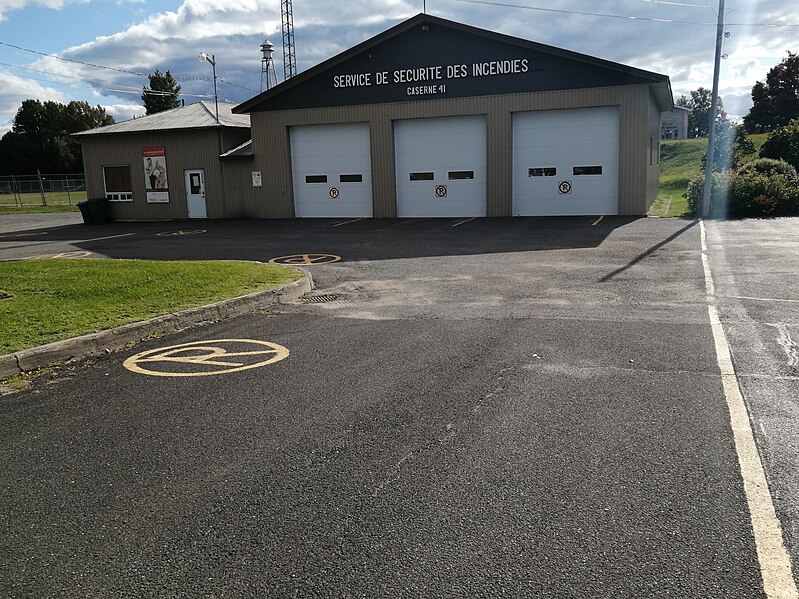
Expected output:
{"points": [[424, 78]]}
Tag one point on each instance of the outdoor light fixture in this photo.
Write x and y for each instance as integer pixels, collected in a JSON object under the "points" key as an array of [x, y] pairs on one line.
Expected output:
{"points": [[203, 57]]}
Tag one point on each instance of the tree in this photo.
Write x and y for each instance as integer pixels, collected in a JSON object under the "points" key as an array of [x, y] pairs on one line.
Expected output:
{"points": [[775, 102], [41, 137], [699, 103], [162, 93], [783, 144]]}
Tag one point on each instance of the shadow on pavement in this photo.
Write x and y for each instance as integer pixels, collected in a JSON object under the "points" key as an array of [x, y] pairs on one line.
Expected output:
{"points": [[352, 239]]}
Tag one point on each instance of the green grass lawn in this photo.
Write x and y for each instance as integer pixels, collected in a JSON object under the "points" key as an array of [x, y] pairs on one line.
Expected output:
{"points": [[35, 199], [58, 299], [11, 209], [681, 161], [31, 203]]}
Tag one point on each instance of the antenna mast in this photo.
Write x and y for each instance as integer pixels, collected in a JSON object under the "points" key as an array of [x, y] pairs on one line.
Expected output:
{"points": [[289, 58]]}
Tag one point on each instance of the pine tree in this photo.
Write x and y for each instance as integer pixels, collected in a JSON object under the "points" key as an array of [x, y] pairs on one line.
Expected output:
{"points": [[162, 94]]}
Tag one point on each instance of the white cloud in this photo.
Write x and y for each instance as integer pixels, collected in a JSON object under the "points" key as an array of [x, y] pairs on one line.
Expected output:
{"points": [[232, 30], [7, 6], [12, 93], [124, 112]]}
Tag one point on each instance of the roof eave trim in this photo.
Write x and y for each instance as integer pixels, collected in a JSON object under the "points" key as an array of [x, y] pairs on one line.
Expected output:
{"points": [[248, 105]]}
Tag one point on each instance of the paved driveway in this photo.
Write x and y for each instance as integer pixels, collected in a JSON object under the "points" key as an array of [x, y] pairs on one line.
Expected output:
{"points": [[525, 407]]}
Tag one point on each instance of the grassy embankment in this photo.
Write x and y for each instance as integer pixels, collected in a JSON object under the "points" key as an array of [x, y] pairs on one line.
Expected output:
{"points": [[681, 161], [47, 300]]}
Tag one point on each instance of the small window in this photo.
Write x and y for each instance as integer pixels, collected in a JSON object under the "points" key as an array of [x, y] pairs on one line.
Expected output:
{"points": [[422, 176], [316, 178], [117, 183], [460, 175], [587, 170], [195, 187], [350, 178], [543, 171]]}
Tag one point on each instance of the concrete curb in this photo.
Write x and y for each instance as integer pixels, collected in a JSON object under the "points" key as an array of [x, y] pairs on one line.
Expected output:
{"points": [[111, 339]]}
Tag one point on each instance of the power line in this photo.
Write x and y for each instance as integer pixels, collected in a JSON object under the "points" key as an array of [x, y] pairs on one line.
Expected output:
{"points": [[623, 17], [118, 70], [89, 64], [235, 85], [93, 85], [677, 4]]}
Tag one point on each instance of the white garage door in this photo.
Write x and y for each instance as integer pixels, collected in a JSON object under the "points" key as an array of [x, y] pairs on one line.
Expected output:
{"points": [[332, 170], [566, 162], [441, 166]]}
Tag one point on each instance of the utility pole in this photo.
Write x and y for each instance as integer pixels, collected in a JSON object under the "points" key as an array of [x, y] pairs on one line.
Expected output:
{"points": [[711, 128]]}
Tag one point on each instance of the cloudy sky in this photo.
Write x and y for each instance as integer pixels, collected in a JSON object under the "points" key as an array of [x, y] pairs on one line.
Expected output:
{"points": [[122, 40]]}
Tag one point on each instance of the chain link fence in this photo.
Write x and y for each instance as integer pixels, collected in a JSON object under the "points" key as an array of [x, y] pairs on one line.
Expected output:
{"points": [[42, 190]]}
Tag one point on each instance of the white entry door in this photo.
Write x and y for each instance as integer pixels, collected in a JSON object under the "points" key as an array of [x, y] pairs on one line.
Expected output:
{"points": [[195, 193], [332, 170], [441, 166]]}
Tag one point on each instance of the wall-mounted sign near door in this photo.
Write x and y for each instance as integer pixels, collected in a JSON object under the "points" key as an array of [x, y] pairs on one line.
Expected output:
{"points": [[565, 187], [441, 191]]}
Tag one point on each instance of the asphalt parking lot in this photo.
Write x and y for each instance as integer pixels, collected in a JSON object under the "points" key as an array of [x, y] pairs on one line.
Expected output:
{"points": [[471, 407]]}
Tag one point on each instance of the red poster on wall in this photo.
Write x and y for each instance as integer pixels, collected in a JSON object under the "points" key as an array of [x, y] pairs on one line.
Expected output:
{"points": [[155, 179]]}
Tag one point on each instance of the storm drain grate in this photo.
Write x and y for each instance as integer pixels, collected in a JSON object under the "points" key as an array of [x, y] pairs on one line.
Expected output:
{"points": [[319, 299]]}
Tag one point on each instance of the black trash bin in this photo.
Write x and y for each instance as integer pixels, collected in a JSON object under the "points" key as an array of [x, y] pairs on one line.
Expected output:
{"points": [[99, 211], [85, 212]]}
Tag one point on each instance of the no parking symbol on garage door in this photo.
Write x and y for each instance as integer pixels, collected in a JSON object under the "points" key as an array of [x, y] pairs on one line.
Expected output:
{"points": [[441, 191], [334, 192], [565, 187]]}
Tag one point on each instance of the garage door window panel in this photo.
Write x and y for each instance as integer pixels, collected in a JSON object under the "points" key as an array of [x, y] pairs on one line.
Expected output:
{"points": [[422, 176], [587, 170], [116, 179], [354, 178], [460, 175], [316, 178], [546, 171]]}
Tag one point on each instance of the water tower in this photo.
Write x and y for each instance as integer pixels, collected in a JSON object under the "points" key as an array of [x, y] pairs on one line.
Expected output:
{"points": [[268, 74]]}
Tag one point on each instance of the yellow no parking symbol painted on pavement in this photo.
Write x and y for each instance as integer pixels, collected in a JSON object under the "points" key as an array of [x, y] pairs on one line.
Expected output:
{"points": [[31, 234], [306, 259], [181, 233], [206, 358], [75, 254]]}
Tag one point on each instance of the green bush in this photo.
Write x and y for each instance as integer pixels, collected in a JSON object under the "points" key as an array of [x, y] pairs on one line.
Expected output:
{"points": [[783, 143], [765, 187], [718, 193]]}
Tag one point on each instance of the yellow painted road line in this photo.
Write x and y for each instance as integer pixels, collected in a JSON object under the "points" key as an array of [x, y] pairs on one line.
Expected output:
{"points": [[775, 564], [347, 222], [597, 221], [460, 222]]}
